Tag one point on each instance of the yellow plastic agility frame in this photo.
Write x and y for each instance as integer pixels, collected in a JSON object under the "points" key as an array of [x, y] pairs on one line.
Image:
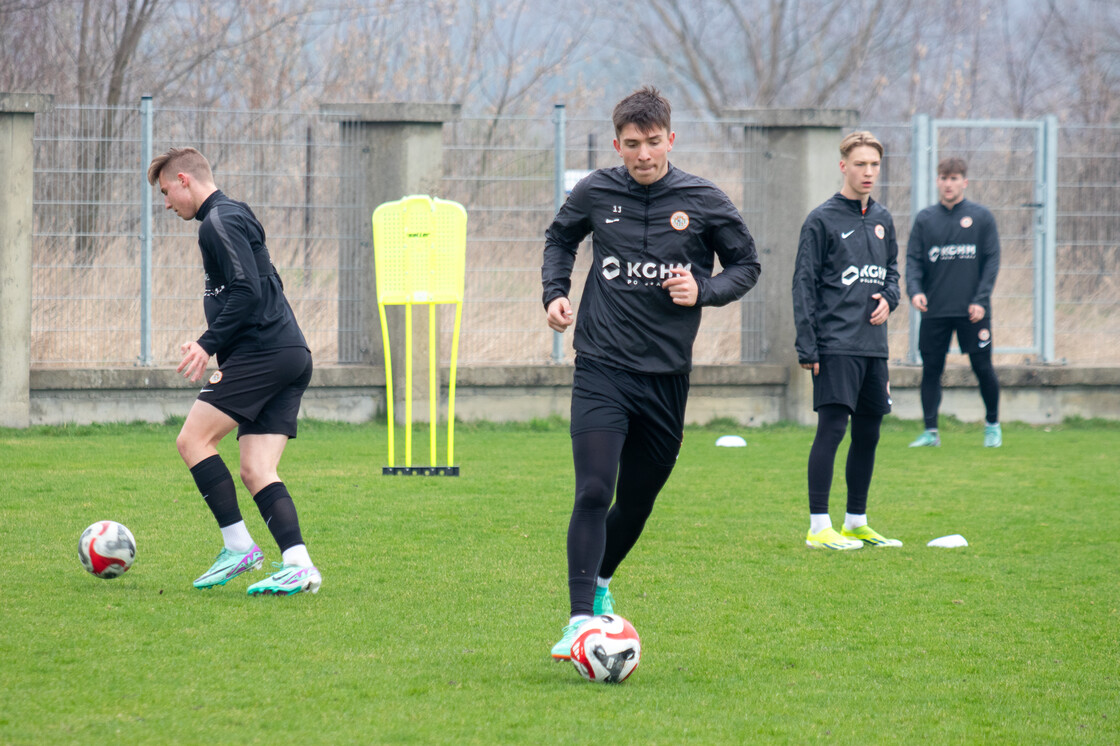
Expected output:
{"points": [[419, 251]]}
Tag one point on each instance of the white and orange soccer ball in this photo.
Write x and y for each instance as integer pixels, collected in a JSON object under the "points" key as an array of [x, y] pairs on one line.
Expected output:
{"points": [[606, 649], [107, 549]]}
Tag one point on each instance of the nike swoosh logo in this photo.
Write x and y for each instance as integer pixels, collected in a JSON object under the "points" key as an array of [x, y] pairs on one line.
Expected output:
{"points": [[206, 391], [986, 343], [613, 220], [845, 235]]}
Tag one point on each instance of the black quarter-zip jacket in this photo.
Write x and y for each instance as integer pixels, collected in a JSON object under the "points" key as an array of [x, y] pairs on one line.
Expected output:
{"points": [[844, 256], [953, 257], [626, 319], [244, 299]]}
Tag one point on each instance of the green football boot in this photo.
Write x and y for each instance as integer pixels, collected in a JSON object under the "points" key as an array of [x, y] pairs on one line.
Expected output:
{"points": [[229, 565]]}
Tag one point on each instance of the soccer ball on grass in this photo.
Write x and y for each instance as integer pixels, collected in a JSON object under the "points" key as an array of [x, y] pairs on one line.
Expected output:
{"points": [[606, 649], [107, 549]]}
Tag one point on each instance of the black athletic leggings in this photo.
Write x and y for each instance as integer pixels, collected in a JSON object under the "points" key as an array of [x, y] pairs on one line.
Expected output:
{"points": [[832, 422], [933, 365], [600, 535]]}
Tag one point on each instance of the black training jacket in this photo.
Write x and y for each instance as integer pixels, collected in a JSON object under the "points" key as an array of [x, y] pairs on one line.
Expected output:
{"points": [[244, 299], [625, 318], [953, 257], [843, 258]]}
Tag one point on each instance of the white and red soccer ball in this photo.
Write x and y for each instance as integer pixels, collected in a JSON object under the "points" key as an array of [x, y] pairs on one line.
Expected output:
{"points": [[107, 549], [606, 649]]}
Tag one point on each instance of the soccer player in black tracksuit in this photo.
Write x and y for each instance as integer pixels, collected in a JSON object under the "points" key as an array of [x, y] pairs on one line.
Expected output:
{"points": [[657, 231], [264, 366], [845, 284], [951, 265]]}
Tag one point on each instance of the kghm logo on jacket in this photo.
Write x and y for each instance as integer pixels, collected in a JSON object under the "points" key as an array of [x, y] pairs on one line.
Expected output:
{"points": [[872, 274], [948, 253], [641, 273], [610, 267]]}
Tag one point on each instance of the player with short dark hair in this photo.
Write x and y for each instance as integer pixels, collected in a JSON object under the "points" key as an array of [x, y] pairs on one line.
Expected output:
{"points": [[264, 366], [657, 232], [952, 261], [845, 284]]}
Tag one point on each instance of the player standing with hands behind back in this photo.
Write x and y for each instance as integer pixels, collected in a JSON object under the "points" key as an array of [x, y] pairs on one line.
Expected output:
{"points": [[657, 233], [845, 284], [951, 265], [264, 366]]}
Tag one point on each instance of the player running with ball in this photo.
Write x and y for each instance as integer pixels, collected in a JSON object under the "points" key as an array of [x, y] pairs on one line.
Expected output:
{"points": [[264, 366], [657, 231]]}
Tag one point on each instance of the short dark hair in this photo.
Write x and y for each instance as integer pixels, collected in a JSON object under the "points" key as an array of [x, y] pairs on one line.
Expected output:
{"points": [[954, 165], [645, 108]]}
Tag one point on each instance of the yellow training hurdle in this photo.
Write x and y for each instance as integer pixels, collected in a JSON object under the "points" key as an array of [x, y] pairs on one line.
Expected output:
{"points": [[419, 251]]}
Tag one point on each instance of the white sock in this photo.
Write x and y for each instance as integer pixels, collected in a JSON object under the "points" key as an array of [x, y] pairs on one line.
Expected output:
{"points": [[603, 582], [296, 555], [819, 522], [853, 521], [578, 618], [236, 537]]}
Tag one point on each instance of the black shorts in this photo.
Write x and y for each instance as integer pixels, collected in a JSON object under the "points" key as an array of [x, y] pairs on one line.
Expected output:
{"points": [[647, 409], [862, 384], [934, 335], [261, 390]]}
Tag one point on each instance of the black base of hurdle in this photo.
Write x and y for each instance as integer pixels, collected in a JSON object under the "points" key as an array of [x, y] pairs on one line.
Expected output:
{"points": [[420, 471]]}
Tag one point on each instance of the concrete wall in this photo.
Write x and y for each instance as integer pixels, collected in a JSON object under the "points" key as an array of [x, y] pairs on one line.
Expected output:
{"points": [[17, 161], [750, 395]]}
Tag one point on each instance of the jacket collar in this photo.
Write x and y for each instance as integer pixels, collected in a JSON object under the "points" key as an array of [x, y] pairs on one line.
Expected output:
{"points": [[208, 204]]}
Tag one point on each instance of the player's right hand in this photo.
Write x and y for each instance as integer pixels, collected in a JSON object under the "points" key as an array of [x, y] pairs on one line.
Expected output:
{"points": [[560, 314], [195, 359], [918, 301]]}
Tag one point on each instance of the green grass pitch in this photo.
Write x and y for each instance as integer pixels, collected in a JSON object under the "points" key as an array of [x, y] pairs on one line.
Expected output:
{"points": [[442, 596]]}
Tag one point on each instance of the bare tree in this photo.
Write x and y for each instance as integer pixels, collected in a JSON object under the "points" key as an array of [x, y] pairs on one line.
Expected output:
{"points": [[734, 53], [1086, 43]]}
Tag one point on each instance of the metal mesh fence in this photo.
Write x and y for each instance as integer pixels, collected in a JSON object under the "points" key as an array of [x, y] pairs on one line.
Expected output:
{"points": [[1087, 308], [298, 174], [90, 176], [503, 171]]}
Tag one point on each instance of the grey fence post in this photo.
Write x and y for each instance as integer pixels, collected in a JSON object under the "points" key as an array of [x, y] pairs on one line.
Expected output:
{"points": [[802, 147], [393, 150], [1049, 156], [921, 176], [558, 201], [145, 233], [17, 171]]}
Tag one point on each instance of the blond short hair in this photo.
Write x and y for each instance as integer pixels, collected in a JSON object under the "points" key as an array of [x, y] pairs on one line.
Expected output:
{"points": [[856, 139], [182, 160]]}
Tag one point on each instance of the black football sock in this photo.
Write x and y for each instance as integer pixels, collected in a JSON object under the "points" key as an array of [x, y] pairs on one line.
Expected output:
{"points": [[279, 513], [218, 490], [989, 384], [639, 482], [832, 422], [861, 460], [596, 456], [933, 365]]}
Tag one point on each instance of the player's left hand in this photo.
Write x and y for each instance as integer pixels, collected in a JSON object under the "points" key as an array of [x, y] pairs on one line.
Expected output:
{"points": [[975, 312], [195, 360], [682, 287], [881, 312]]}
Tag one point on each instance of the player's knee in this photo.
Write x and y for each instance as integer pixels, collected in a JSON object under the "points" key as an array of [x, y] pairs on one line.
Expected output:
{"points": [[256, 477], [185, 445], [593, 494]]}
